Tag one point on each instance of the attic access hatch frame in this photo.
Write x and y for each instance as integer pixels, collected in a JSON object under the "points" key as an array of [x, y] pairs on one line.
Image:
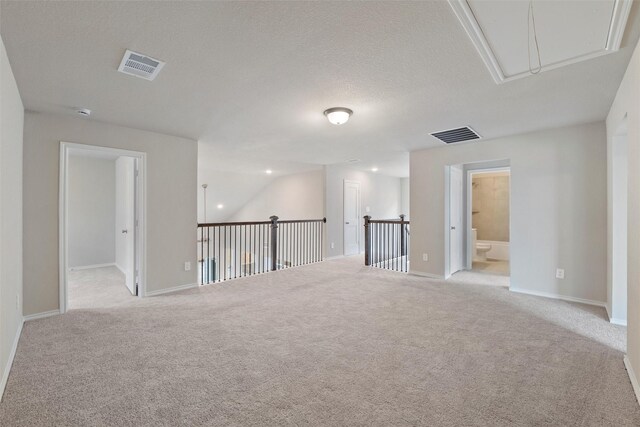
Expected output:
{"points": [[462, 9]]}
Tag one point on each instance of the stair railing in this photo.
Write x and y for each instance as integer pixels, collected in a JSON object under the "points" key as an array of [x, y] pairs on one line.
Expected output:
{"points": [[229, 250], [387, 243]]}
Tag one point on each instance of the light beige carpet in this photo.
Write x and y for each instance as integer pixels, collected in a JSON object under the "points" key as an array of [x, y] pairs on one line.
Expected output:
{"points": [[328, 344], [102, 287]]}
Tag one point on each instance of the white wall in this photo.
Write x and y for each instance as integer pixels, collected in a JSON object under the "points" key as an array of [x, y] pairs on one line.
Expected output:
{"points": [[296, 196], [381, 193], [627, 104], [171, 201], [231, 189], [558, 207], [91, 210], [11, 142]]}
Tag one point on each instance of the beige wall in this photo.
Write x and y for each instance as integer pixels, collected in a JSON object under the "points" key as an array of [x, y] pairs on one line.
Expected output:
{"points": [[171, 201], [558, 208], [11, 139], [490, 201], [296, 196], [627, 104]]}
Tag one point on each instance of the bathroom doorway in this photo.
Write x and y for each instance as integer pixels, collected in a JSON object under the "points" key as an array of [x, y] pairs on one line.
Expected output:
{"points": [[488, 220]]}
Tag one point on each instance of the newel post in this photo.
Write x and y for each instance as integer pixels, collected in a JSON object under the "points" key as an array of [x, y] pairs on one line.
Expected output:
{"points": [[274, 242], [403, 249], [367, 240]]}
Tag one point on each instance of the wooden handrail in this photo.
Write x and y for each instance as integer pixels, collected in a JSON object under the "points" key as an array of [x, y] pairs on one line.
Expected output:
{"points": [[387, 221], [221, 224], [286, 221]]}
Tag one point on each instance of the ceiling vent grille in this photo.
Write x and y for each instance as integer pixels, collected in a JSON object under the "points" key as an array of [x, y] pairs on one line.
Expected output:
{"points": [[139, 65], [452, 136]]}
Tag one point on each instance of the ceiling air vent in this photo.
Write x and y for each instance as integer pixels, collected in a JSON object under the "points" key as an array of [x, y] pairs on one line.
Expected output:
{"points": [[139, 65], [452, 136]]}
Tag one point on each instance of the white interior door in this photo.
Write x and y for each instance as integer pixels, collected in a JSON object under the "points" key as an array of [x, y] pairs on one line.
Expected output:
{"points": [[351, 217], [455, 220], [125, 220]]}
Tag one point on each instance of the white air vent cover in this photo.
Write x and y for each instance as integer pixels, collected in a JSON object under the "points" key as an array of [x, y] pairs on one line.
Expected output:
{"points": [[139, 65], [453, 136]]}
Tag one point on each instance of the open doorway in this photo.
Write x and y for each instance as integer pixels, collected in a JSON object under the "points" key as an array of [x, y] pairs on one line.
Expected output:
{"points": [[101, 226], [488, 225]]}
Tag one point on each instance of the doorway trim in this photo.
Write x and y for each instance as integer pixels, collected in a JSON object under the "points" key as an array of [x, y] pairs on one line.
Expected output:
{"points": [[141, 207], [469, 208]]}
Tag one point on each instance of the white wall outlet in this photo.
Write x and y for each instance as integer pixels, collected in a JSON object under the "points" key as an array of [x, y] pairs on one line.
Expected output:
{"points": [[367, 209], [425, 257], [187, 266], [560, 273], [333, 245]]}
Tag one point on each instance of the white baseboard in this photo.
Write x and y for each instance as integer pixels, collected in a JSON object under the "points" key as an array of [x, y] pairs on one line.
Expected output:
{"points": [[169, 290], [429, 275], [41, 315], [620, 322], [7, 368], [87, 267], [558, 296], [613, 320], [632, 377]]}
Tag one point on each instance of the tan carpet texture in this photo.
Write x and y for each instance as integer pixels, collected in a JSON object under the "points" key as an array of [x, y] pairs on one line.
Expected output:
{"points": [[333, 343]]}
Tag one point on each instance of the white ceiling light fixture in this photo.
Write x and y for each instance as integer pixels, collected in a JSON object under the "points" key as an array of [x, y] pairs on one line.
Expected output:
{"points": [[374, 169], [268, 171], [338, 115], [220, 206]]}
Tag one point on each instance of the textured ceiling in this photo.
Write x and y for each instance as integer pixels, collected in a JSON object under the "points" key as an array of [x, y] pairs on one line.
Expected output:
{"points": [[251, 79]]}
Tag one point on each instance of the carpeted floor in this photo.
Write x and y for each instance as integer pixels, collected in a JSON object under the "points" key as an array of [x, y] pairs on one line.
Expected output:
{"points": [[333, 343], [97, 288]]}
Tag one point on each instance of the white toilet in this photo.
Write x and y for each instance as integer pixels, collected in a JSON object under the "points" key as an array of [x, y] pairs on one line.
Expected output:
{"points": [[481, 249]]}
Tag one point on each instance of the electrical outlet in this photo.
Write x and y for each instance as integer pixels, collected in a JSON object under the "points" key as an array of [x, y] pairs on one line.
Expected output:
{"points": [[425, 257], [560, 273], [187, 266], [333, 245]]}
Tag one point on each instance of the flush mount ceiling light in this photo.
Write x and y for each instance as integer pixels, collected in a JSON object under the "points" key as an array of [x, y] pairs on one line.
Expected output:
{"points": [[338, 115], [374, 169], [268, 171], [220, 206]]}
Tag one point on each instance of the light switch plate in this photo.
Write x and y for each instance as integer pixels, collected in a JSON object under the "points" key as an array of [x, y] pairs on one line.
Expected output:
{"points": [[187, 266], [560, 273], [425, 257]]}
